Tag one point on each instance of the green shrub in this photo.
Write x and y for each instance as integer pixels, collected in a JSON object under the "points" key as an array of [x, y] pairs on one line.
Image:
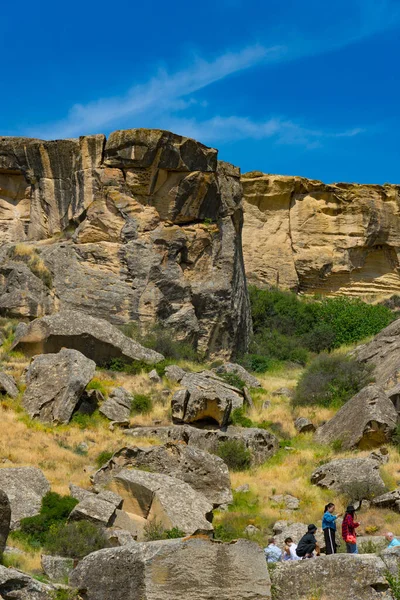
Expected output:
{"points": [[394, 584], [103, 457], [141, 404], [163, 340], [153, 530], [75, 539], [64, 594], [256, 363], [331, 380], [55, 509], [233, 379], [235, 454], [239, 418]]}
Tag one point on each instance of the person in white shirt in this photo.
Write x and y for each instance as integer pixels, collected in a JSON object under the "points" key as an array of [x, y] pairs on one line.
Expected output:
{"points": [[289, 552], [272, 552]]}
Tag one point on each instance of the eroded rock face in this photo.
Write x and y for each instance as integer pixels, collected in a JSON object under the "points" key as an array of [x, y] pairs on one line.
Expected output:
{"points": [[307, 236], [145, 226], [358, 478], [383, 353], [367, 420], [183, 570], [25, 488], [19, 586]]}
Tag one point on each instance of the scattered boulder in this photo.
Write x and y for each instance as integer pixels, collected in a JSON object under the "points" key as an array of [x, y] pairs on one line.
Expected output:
{"points": [[57, 568], [243, 488], [337, 576], [389, 500], [175, 569], [391, 558], [261, 443], [240, 371], [284, 391], [304, 425], [119, 537], [290, 502], [172, 502], [251, 530], [55, 383], [25, 488], [204, 472], [8, 385], [19, 586], [89, 402], [118, 405], [295, 530], [79, 493], [94, 509], [383, 353], [381, 455], [174, 373], [5, 520], [372, 416], [96, 338], [154, 377], [358, 478]]}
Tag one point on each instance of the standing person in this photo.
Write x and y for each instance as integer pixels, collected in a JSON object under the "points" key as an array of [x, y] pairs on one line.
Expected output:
{"points": [[393, 542], [329, 528], [349, 527], [290, 550], [272, 553], [308, 543]]}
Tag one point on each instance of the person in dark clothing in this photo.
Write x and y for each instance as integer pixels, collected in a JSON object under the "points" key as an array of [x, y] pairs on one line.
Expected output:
{"points": [[349, 527], [329, 528], [308, 543]]}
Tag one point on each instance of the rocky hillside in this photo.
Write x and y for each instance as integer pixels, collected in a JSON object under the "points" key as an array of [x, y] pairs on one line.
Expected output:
{"points": [[143, 226], [307, 236]]}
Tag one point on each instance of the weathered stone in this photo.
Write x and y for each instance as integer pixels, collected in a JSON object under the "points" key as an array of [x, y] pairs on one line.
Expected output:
{"points": [[89, 402], [170, 569], [79, 493], [109, 496], [55, 383], [337, 577], [383, 354], [389, 500], [251, 530], [57, 568], [118, 405], [5, 520], [94, 509], [381, 455], [119, 537], [308, 236], [304, 425], [167, 499], [8, 385], [154, 377], [358, 478], [204, 472], [290, 502], [243, 488], [95, 338], [240, 371], [25, 488], [174, 373], [373, 420], [284, 391], [261, 443], [19, 586]]}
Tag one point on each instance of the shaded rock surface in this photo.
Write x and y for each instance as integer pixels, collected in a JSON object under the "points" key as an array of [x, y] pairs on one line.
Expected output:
{"points": [[204, 472], [383, 353], [19, 586], [57, 568], [8, 385], [260, 442], [356, 477], [170, 501], [308, 236], [55, 383], [304, 425], [366, 421], [25, 488], [118, 405], [145, 226], [389, 500], [290, 502], [96, 338], [337, 577], [174, 373], [175, 569]]}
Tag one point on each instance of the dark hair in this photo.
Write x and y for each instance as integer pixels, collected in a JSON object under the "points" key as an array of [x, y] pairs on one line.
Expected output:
{"points": [[350, 510], [328, 506], [288, 540], [271, 540]]}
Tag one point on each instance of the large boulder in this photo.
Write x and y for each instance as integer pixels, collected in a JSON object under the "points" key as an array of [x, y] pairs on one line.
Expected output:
{"points": [[389, 500], [366, 421], [145, 226], [16, 585], [383, 354], [25, 488], [5, 520], [95, 338], [204, 472], [118, 405], [57, 568], [181, 570], [205, 397], [239, 371], [261, 443], [170, 501], [358, 478], [333, 577], [55, 383], [8, 385], [94, 509]]}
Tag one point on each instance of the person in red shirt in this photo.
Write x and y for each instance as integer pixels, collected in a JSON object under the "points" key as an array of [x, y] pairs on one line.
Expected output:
{"points": [[349, 527]]}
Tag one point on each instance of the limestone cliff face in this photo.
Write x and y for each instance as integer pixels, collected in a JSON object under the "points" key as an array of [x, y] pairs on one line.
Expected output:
{"points": [[304, 235], [144, 226]]}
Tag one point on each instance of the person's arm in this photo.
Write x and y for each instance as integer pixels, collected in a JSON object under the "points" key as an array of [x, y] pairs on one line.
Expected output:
{"points": [[330, 518], [356, 524]]}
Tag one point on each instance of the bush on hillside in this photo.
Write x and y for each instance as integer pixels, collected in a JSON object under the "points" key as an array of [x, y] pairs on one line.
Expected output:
{"points": [[75, 539], [331, 380], [55, 509], [141, 404], [235, 454], [163, 340]]}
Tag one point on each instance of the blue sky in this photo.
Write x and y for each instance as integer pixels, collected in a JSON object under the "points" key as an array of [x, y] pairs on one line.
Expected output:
{"points": [[299, 87]]}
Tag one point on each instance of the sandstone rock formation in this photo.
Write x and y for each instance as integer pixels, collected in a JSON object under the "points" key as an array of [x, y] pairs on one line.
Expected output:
{"points": [[261, 443], [358, 478], [94, 509], [307, 236], [204, 472], [55, 383], [181, 570], [366, 421], [383, 353], [25, 488], [95, 338], [144, 226], [118, 405], [8, 385]]}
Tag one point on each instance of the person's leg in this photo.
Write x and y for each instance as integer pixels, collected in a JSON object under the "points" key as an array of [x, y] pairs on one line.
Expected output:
{"points": [[351, 548], [329, 541]]}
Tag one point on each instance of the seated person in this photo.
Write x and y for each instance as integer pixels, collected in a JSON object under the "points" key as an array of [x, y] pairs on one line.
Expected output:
{"points": [[289, 552], [272, 552], [393, 542], [308, 544]]}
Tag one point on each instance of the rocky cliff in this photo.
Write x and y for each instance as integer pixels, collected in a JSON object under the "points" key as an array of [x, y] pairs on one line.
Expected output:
{"points": [[143, 226], [311, 237]]}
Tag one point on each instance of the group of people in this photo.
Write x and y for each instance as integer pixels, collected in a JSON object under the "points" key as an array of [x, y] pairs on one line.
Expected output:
{"points": [[308, 546]]}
